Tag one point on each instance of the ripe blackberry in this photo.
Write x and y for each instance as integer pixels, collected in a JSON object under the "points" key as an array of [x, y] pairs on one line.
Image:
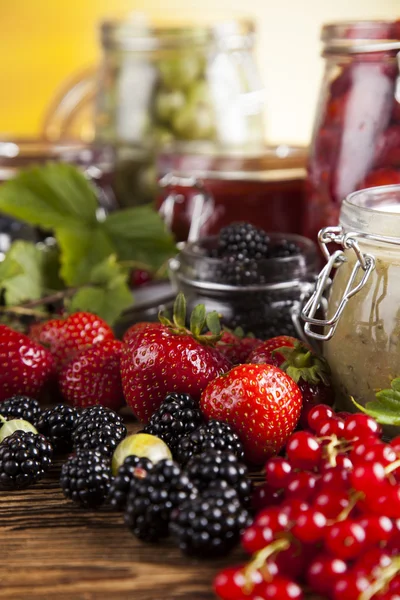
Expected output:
{"points": [[24, 459], [211, 523], [21, 407], [283, 249], [240, 272], [57, 424], [177, 416], [121, 483], [85, 478], [243, 240], [152, 496], [214, 465], [215, 435], [98, 428]]}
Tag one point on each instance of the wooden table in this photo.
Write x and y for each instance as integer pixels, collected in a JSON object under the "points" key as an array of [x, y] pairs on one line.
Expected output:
{"points": [[52, 550]]}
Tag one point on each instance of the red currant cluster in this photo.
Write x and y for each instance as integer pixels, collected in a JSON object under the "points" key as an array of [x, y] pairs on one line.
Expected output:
{"points": [[328, 517]]}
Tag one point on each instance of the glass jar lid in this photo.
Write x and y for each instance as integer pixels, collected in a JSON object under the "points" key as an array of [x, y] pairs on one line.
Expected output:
{"points": [[353, 37], [136, 34]]}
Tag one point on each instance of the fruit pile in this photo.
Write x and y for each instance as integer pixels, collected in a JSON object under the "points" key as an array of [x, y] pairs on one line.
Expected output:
{"points": [[328, 522]]}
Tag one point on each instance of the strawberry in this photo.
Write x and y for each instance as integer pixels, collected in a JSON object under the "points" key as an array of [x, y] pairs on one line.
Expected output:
{"points": [[138, 327], [235, 346], [67, 337], [310, 371], [168, 357], [93, 376], [26, 366], [260, 402]]}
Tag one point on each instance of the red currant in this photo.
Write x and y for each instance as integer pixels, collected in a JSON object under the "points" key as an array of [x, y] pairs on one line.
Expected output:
{"points": [[292, 561], [395, 443], [331, 504], [343, 414], [310, 526], [378, 528], [255, 538], [317, 415], [382, 453], [278, 587], [294, 507], [361, 426], [371, 561], [323, 572], [275, 518], [368, 478], [301, 485], [349, 586], [334, 478], [345, 539], [304, 450], [277, 471], [230, 584], [264, 495], [334, 426]]}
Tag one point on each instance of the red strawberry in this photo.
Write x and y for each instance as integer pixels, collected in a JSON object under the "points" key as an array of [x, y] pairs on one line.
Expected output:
{"points": [[66, 337], [137, 328], [260, 402], [25, 365], [169, 358], [310, 371], [384, 176], [235, 346], [93, 376]]}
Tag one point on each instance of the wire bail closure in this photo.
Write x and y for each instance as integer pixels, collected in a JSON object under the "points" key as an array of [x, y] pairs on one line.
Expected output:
{"points": [[365, 263], [203, 203]]}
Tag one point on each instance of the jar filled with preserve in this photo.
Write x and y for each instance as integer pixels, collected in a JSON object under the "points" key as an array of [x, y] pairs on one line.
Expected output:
{"points": [[356, 139], [361, 330], [192, 85], [261, 292], [204, 191]]}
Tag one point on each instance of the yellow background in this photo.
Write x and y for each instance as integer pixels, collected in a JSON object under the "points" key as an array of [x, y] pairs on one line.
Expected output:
{"points": [[44, 41]]}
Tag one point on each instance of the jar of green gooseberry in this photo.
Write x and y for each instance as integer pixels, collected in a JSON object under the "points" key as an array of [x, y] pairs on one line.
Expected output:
{"points": [[187, 86]]}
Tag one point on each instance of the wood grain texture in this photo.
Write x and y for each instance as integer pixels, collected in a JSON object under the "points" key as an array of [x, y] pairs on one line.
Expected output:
{"points": [[52, 550]]}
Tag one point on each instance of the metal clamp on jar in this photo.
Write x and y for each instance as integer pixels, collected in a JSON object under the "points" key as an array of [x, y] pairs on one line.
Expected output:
{"points": [[361, 330]]}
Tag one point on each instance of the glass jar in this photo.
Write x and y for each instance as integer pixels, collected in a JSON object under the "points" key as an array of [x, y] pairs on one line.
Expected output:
{"points": [[267, 308], [356, 139], [193, 85], [361, 335], [264, 188]]}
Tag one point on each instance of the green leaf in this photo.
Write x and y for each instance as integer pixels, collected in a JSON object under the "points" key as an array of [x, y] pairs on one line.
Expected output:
{"points": [[198, 319], [140, 234], [378, 411], [81, 250], [213, 322], [179, 313], [51, 196], [110, 294], [22, 273]]}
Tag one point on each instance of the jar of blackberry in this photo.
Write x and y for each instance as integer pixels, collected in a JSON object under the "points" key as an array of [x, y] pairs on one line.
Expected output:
{"points": [[356, 141], [256, 280]]}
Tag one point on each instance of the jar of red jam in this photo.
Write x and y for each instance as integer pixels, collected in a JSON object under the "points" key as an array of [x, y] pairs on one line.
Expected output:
{"points": [[206, 191], [356, 140]]}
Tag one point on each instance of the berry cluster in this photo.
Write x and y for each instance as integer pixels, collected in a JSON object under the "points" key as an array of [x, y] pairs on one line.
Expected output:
{"points": [[329, 517]]}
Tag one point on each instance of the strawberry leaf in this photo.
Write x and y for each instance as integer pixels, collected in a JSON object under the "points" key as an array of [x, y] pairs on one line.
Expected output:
{"points": [[213, 323], [179, 315], [382, 414], [22, 273], [198, 319]]}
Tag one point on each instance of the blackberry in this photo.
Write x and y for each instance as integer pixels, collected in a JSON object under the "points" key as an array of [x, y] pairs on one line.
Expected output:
{"points": [[85, 478], [211, 523], [98, 428], [283, 249], [21, 407], [121, 483], [245, 271], [215, 435], [243, 240], [152, 496], [24, 459], [177, 416], [214, 465], [57, 424]]}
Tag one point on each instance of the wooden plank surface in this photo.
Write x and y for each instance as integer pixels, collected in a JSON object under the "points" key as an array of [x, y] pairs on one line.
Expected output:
{"points": [[52, 550]]}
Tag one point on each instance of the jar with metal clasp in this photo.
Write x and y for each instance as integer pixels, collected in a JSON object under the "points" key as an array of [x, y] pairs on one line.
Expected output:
{"points": [[360, 333]]}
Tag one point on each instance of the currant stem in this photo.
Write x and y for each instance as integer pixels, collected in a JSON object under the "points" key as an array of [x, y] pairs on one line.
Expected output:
{"points": [[392, 467], [260, 558], [384, 577], [354, 498]]}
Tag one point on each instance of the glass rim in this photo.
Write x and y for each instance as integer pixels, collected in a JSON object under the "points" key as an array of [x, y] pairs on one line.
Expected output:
{"points": [[358, 37], [353, 199], [123, 35]]}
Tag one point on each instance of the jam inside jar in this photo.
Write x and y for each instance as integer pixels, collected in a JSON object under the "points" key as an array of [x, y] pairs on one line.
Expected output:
{"points": [[264, 188], [267, 308], [356, 140], [361, 332]]}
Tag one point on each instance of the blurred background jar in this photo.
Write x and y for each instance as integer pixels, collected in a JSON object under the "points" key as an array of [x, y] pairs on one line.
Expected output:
{"points": [[356, 140], [187, 86], [202, 192]]}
